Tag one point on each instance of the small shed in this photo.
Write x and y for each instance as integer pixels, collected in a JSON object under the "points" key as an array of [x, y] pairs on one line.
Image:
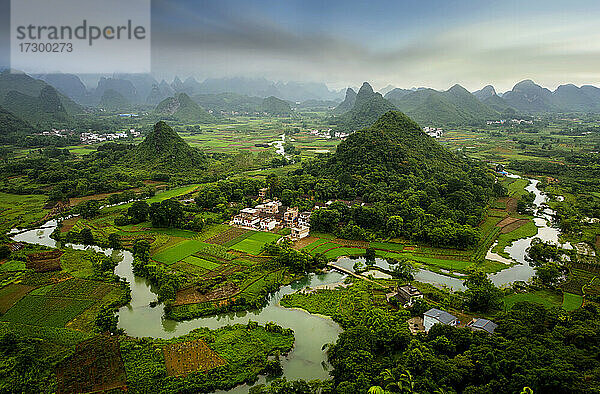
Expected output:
{"points": [[482, 325]]}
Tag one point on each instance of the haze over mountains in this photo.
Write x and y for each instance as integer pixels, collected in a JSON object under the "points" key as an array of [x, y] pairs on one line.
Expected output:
{"points": [[53, 100], [144, 89]]}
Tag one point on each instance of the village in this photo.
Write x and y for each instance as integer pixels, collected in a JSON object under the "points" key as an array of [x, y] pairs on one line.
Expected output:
{"points": [[270, 215]]}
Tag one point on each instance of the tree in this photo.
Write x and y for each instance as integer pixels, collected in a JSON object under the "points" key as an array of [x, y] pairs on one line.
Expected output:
{"points": [[141, 250], [324, 220], [138, 211], [114, 241], [107, 320], [548, 273], [167, 213], [88, 209], [481, 294], [4, 251], [370, 256], [86, 236]]}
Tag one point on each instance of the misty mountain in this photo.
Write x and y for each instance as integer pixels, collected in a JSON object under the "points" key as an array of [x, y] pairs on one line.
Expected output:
{"points": [[143, 84], [257, 87], [35, 102], [229, 102], [159, 92], [112, 100], [432, 107], [30, 86], [348, 102], [526, 96], [397, 93], [68, 84], [122, 86], [275, 106], [368, 107], [571, 98], [529, 97], [183, 109], [485, 93], [387, 89], [44, 111]]}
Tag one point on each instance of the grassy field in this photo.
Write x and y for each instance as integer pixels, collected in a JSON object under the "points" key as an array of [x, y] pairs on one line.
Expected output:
{"points": [[527, 230], [179, 252], [543, 297], [202, 263], [571, 301], [20, 210], [46, 311], [254, 243]]}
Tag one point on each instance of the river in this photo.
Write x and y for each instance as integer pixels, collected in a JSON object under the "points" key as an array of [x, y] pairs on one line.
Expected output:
{"points": [[307, 360]]}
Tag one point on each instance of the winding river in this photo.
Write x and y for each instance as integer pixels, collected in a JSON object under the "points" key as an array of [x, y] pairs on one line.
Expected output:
{"points": [[307, 360]]}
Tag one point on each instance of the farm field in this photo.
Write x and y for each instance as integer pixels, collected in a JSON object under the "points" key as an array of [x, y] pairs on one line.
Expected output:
{"points": [[543, 297], [20, 210], [254, 243], [204, 359], [179, 252], [182, 358], [96, 365], [571, 301], [200, 262], [46, 311]]}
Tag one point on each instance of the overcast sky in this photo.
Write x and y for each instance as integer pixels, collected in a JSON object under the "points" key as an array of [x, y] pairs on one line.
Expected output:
{"points": [[405, 43]]}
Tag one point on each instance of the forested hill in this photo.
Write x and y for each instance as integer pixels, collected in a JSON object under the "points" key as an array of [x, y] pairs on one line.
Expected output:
{"points": [[10, 124], [34, 101], [368, 106], [394, 144], [163, 148], [182, 108], [417, 188], [348, 102]]}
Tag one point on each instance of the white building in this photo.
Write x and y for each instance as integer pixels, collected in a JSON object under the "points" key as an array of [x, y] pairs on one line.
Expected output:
{"points": [[268, 224], [436, 316], [304, 219], [251, 221], [270, 207], [300, 232]]}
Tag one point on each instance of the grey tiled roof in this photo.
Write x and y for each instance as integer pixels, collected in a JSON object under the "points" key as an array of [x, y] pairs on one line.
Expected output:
{"points": [[484, 324], [441, 316]]}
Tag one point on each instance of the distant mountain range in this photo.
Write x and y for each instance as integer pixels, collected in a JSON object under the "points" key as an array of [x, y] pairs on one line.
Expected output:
{"points": [[35, 102], [139, 89], [53, 99]]}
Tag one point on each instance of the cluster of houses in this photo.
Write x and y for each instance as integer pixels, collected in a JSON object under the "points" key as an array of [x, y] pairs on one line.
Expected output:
{"points": [[94, 138], [433, 132], [502, 121], [407, 295], [57, 133], [328, 134], [270, 214]]}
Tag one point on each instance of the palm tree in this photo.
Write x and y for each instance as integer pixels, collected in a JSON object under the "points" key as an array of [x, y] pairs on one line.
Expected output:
{"points": [[407, 383], [390, 380], [376, 390]]}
